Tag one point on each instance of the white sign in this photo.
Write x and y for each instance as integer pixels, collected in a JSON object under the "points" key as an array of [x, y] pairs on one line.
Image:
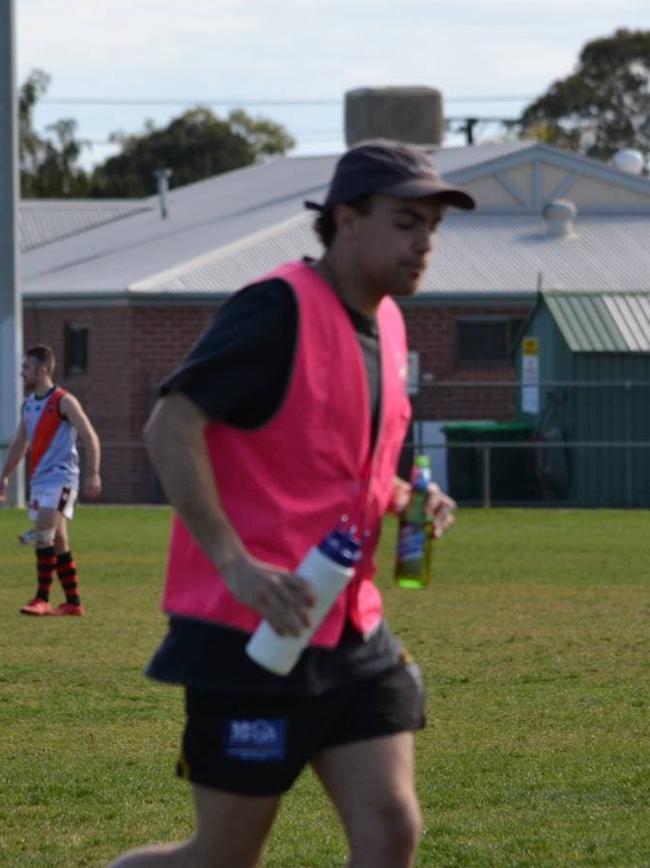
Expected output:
{"points": [[413, 381], [530, 376]]}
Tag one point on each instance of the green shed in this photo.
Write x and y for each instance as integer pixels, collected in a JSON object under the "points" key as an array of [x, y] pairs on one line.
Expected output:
{"points": [[584, 364]]}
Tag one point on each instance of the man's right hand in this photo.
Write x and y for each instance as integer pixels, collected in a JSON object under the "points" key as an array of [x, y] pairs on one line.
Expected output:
{"points": [[282, 598], [4, 484]]}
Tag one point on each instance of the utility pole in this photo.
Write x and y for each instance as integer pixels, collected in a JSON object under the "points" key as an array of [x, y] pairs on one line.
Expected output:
{"points": [[468, 129], [11, 312]]}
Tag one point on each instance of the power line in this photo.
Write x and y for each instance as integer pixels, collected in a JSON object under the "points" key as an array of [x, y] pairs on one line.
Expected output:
{"points": [[467, 125], [156, 101]]}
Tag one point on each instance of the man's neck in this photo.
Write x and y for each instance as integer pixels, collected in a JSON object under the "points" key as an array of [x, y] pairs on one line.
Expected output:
{"points": [[42, 388], [347, 285]]}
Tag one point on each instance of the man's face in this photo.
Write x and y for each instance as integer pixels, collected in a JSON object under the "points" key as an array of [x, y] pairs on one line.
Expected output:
{"points": [[31, 371], [393, 243]]}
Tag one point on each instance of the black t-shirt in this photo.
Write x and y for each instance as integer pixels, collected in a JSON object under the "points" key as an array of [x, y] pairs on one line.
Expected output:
{"points": [[238, 373], [238, 370]]}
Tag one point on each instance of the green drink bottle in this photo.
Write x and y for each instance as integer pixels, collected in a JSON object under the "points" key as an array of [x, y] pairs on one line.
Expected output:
{"points": [[414, 556]]}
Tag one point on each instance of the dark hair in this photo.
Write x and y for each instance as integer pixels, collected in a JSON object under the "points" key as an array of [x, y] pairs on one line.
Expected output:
{"points": [[43, 355], [324, 225]]}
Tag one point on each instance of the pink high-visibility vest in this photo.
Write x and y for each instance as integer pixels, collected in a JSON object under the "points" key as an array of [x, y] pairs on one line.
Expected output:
{"points": [[285, 485]]}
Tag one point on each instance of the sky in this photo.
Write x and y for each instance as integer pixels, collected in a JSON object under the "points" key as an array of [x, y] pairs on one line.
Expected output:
{"points": [[293, 60]]}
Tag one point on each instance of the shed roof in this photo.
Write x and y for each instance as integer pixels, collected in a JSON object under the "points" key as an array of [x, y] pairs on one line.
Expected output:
{"points": [[477, 254], [61, 255], [224, 231], [43, 221], [602, 322]]}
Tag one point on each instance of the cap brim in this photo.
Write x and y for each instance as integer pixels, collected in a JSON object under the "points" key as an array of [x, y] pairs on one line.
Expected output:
{"points": [[421, 188]]}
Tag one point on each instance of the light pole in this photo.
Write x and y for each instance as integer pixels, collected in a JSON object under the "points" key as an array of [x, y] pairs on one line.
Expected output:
{"points": [[11, 314]]}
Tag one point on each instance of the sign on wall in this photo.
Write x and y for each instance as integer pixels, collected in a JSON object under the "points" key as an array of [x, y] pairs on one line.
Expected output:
{"points": [[530, 376], [413, 382]]}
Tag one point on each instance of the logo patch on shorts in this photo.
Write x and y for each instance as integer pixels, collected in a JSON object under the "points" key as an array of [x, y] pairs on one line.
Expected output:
{"points": [[257, 740]]}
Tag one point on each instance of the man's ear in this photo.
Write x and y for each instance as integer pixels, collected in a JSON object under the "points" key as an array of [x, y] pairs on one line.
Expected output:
{"points": [[347, 221]]}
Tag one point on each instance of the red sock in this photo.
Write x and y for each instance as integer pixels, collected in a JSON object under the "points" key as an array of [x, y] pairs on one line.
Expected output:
{"points": [[45, 563], [66, 570]]}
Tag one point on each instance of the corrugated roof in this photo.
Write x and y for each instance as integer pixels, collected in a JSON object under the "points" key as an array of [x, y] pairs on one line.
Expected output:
{"points": [[239, 263], [202, 217], [602, 322], [223, 232], [42, 222], [473, 253]]}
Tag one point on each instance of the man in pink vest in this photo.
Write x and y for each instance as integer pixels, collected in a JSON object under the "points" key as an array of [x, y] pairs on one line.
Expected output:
{"points": [[287, 420]]}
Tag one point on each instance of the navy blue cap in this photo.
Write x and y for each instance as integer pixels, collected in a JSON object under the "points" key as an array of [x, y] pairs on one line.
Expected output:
{"points": [[392, 168]]}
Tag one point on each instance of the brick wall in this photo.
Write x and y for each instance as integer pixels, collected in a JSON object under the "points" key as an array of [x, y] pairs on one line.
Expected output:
{"points": [[431, 332], [131, 349], [133, 346]]}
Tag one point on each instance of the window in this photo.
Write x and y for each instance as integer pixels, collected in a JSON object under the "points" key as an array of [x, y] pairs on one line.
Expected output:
{"points": [[75, 349], [486, 340]]}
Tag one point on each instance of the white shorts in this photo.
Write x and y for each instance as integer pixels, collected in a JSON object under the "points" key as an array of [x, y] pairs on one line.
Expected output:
{"points": [[59, 497]]}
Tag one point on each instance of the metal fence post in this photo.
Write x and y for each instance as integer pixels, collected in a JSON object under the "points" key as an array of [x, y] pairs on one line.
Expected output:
{"points": [[628, 453], [486, 453]]}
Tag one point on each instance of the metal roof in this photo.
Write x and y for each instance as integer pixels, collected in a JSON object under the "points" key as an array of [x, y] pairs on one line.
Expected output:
{"points": [[223, 232], [473, 254], [41, 222], [202, 217], [602, 322]]}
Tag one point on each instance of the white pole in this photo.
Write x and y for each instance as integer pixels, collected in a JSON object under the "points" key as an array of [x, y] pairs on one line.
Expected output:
{"points": [[11, 314]]}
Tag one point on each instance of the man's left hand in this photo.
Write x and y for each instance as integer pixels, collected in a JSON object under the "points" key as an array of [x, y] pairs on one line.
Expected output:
{"points": [[93, 486], [439, 505]]}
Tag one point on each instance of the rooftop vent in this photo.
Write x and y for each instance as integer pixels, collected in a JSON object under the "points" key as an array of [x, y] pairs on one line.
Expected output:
{"points": [[162, 177], [404, 114], [629, 161], [559, 215]]}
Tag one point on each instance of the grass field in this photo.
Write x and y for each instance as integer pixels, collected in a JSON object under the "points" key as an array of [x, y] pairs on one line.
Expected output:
{"points": [[534, 643]]}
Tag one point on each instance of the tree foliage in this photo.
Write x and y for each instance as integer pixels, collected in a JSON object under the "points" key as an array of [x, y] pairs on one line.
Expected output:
{"points": [[604, 105], [194, 146], [48, 165]]}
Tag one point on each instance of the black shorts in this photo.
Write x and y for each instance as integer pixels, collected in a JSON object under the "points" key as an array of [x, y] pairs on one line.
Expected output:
{"points": [[258, 746]]}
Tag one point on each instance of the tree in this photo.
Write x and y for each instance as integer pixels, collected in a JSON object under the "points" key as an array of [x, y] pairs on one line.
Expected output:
{"points": [[604, 105], [194, 146], [48, 166]]}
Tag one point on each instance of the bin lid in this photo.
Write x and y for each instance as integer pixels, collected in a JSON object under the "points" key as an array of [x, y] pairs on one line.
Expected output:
{"points": [[487, 429]]}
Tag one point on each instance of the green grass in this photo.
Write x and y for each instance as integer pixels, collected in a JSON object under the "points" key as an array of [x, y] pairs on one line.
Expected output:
{"points": [[533, 638]]}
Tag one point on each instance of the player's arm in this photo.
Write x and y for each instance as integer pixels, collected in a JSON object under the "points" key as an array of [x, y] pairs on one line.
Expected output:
{"points": [[15, 454], [175, 441], [72, 410]]}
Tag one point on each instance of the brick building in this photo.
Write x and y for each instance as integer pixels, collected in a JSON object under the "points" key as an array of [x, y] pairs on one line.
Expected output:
{"points": [[121, 292]]}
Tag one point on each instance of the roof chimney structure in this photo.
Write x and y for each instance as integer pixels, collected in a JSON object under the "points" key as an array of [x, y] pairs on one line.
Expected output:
{"points": [[559, 215], [628, 160], [162, 177], [404, 114]]}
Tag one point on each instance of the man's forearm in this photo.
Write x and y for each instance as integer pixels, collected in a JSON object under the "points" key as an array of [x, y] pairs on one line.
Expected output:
{"points": [[93, 454], [15, 455], [176, 446]]}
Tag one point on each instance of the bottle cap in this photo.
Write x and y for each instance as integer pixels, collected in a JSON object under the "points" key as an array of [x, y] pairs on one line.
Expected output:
{"points": [[341, 547], [421, 473]]}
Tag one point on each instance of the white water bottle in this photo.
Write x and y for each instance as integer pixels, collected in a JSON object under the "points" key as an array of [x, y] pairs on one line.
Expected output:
{"points": [[328, 567]]}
